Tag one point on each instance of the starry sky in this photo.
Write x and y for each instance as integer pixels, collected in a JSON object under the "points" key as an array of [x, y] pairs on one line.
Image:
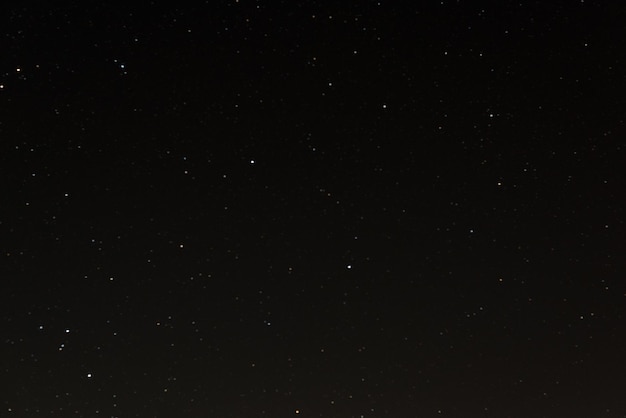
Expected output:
{"points": [[251, 208]]}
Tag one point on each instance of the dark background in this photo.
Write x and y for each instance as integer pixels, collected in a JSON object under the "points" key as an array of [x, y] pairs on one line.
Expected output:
{"points": [[322, 209]]}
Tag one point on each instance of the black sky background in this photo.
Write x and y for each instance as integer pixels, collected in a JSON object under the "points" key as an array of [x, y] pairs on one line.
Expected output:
{"points": [[356, 209]]}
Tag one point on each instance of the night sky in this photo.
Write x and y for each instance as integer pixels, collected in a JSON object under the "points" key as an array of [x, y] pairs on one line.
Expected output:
{"points": [[350, 209]]}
